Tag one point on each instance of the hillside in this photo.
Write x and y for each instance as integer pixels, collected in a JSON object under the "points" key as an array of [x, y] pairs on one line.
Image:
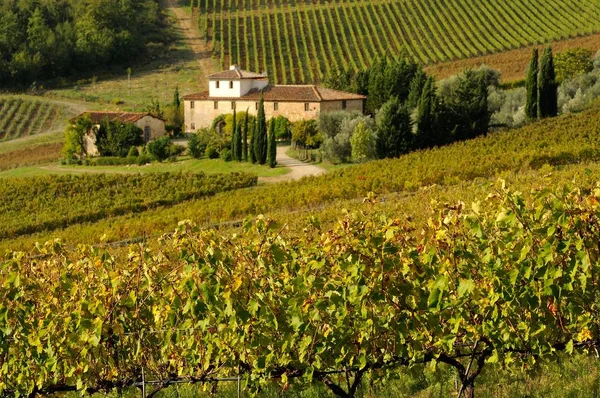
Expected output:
{"points": [[526, 155], [23, 117], [31, 129], [442, 264], [300, 41]]}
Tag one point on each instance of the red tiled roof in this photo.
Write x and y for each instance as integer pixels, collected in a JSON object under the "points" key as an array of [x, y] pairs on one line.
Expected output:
{"points": [[124, 117], [235, 74], [289, 93]]}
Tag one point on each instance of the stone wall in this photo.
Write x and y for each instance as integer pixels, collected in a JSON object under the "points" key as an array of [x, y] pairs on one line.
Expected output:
{"points": [[204, 112], [157, 126]]}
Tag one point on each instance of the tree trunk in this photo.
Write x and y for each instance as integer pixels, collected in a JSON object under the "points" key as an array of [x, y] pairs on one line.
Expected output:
{"points": [[469, 389]]}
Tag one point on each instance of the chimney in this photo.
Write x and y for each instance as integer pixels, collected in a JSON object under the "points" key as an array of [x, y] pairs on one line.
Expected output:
{"points": [[234, 67]]}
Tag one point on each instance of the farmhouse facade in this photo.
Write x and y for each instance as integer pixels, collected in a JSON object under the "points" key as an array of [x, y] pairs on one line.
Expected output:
{"points": [[241, 90], [151, 126]]}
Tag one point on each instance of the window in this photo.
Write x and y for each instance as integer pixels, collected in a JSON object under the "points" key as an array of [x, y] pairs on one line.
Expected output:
{"points": [[147, 134], [275, 106], [232, 104], [343, 104], [192, 104], [256, 105], [216, 104], [217, 83], [230, 84], [193, 126], [306, 107]]}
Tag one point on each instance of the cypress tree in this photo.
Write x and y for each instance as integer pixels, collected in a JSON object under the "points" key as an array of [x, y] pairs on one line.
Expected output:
{"points": [[238, 143], [245, 138], [234, 139], [272, 147], [252, 140], [394, 131], [176, 100], [425, 120], [531, 104], [261, 139], [417, 85], [547, 87]]}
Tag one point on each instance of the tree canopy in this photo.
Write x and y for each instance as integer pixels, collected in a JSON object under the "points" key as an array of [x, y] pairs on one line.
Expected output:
{"points": [[49, 39]]}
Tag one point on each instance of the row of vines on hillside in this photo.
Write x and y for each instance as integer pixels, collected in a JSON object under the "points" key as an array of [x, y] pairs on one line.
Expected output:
{"points": [[566, 140], [350, 33], [20, 118], [506, 281], [52, 202]]}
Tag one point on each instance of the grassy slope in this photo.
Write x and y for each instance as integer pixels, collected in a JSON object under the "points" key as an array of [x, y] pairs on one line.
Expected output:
{"points": [[183, 66], [566, 146], [185, 164]]}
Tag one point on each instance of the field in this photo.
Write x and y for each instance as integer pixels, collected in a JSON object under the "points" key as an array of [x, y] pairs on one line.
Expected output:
{"points": [[52, 202], [340, 302], [183, 164], [511, 64], [300, 41], [26, 116], [565, 141]]}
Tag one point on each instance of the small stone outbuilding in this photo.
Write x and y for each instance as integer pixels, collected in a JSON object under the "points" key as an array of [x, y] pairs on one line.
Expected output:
{"points": [[241, 90], [152, 126]]}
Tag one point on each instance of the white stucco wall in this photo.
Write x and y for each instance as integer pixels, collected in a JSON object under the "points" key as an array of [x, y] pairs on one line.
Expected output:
{"points": [[240, 87], [224, 90]]}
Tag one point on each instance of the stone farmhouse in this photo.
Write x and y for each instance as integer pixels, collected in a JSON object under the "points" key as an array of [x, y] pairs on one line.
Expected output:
{"points": [[151, 126], [241, 90]]}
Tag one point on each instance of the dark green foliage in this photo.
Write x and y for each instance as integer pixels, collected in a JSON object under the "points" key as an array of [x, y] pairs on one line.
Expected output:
{"points": [[531, 103], [234, 133], [49, 39], [260, 142], [195, 147], [163, 149], [416, 88], [212, 153], [426, 117], [114, 138], [547, 87], [272, 146], [176, 99], [252, 141], [385, 78], [245, 139], [394, 134], [466, 108], [238, 151]]}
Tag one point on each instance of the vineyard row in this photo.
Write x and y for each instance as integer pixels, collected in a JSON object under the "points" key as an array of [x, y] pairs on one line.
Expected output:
{"points": [[20, 118], [298, 41]]}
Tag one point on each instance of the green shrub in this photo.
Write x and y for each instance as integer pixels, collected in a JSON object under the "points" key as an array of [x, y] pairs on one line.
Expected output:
{"points": [[195, 147], [133, 152], [160, 148], [226, 155], [212, 153]]}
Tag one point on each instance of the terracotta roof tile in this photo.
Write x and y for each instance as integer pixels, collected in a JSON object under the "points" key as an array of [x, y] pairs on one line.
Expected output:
{"points": [[290, 93], [124, 117]]}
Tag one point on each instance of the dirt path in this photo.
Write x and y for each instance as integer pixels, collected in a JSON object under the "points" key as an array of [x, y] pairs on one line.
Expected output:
{"points": [[191, 37], [298, 169]]}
